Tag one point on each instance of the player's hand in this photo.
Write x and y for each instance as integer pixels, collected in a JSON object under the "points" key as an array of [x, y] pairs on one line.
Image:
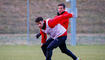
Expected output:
{"points": [[38, 35]]}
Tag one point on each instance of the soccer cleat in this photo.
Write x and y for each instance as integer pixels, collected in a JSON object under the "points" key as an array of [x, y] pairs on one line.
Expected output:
{"points": [[77, 59]]}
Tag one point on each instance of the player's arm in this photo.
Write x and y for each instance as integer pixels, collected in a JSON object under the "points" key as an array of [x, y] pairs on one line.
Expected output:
{"points": [[44, 37], [38, 35], [53, 22]]}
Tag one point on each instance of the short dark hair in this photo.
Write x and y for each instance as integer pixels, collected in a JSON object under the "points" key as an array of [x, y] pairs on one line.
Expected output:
{"points": [[38, 19], [62, 4]]}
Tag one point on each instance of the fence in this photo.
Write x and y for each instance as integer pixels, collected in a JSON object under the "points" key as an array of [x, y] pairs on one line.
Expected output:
{"points": [[21, 39]]}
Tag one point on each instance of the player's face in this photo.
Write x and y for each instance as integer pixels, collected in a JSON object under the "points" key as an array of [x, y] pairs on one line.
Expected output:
{"points": [[60, 9], [40, 24]]}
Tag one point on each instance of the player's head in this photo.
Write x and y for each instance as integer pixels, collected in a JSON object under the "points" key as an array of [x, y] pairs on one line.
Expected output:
{"points": [[61, 8], [39, 21]]}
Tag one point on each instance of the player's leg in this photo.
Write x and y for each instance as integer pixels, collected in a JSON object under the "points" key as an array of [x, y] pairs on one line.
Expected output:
{"points": [[50, 48], [44, 46], [64, 49]]}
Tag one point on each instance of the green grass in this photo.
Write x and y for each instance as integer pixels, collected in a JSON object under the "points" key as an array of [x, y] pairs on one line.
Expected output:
{"points": [[21, 52]]}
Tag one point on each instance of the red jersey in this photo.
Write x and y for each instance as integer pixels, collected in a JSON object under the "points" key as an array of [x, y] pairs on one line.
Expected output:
{"points": [[65, 22], [53, 22]]}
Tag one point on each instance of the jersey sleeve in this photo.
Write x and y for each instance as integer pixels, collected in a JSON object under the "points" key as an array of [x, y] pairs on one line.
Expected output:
{"points": [[44, 36], [53, 22]]}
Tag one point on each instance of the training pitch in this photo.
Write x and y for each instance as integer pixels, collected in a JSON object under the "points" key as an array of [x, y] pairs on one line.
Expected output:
{"points": [[24, 52]]}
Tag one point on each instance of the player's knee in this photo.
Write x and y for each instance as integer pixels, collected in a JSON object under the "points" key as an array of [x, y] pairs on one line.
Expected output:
{"points": [[63, 51], [48, 48]]}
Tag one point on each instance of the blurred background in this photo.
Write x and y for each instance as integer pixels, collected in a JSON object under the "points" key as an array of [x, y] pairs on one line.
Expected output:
{"points": [[13, 20], [14, 44]]}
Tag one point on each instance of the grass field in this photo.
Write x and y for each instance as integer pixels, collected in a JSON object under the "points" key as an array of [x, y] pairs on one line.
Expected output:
{"points": [[23, 52]]}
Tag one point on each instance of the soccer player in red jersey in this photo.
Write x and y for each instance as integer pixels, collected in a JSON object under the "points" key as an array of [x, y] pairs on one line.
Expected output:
{"points": [[57, 25], [57, 33]]}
